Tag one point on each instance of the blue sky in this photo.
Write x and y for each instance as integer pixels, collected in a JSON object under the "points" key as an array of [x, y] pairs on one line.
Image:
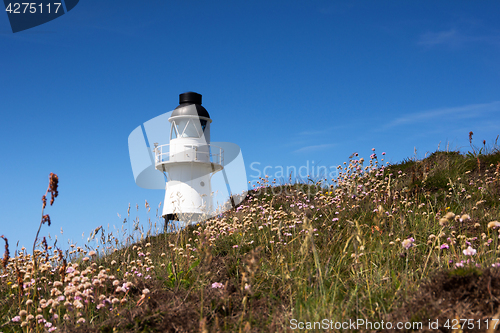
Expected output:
{"points": [[293, 83]]}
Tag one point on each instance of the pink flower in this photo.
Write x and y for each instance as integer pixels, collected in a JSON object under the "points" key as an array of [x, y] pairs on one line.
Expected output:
{"points": [[407, 243], [217, 285], [444, 246], [16, 319]]}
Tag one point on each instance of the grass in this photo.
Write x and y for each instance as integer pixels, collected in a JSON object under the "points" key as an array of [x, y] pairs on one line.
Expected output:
{"points": [[410, 242]]}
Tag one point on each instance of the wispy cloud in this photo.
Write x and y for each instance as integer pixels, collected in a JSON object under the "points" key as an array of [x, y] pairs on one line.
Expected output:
{"points": [[460, 112], [312, 148], [455, 38], [441, 37]]}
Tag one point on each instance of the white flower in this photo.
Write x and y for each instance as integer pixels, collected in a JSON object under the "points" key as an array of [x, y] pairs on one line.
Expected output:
{"points": [[78, 304], [443, 221], [469, 251], [449, 215], [493, 224]]}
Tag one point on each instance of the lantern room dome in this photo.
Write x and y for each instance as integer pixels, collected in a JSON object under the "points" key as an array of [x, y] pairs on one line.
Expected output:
{"points": [[190, 98]]}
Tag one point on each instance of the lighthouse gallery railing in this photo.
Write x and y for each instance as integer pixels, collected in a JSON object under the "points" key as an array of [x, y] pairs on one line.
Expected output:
{"points": [[190, 153]]}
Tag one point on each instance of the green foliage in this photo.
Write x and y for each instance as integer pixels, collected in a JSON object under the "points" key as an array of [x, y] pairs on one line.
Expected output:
{"points": [[174, 279]]}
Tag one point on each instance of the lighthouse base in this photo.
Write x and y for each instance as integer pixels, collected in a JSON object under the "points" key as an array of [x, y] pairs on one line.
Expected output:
{"points": [[176, 222]]}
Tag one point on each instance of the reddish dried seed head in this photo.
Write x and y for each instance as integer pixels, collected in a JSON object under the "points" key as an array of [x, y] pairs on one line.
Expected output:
{"points": [[6, 255], [53, 183], [46, 218]]}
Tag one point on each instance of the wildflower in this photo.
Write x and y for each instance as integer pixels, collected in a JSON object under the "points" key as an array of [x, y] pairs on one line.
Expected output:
{"points": [[407, 243], [443, 221], [469, 251], [16, 319], [445, 246], [78, 304], [235, 246], [493, 224], [449, 216], [80, 321], [217, 285], [92, 253], [145, 291]]}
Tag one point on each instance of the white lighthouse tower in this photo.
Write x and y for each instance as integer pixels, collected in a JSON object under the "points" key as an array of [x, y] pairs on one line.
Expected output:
{"points": [[189, 161]]}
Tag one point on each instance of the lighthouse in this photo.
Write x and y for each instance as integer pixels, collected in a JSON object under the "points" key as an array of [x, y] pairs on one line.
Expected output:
{"points": [[189, 161]]}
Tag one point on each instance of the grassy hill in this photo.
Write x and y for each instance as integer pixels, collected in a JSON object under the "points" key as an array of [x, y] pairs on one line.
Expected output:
{"points": [[414, 242]]}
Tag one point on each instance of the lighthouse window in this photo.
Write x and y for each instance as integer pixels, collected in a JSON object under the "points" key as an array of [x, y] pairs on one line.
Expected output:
{"points": [[173, 131], [189, 128]]}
